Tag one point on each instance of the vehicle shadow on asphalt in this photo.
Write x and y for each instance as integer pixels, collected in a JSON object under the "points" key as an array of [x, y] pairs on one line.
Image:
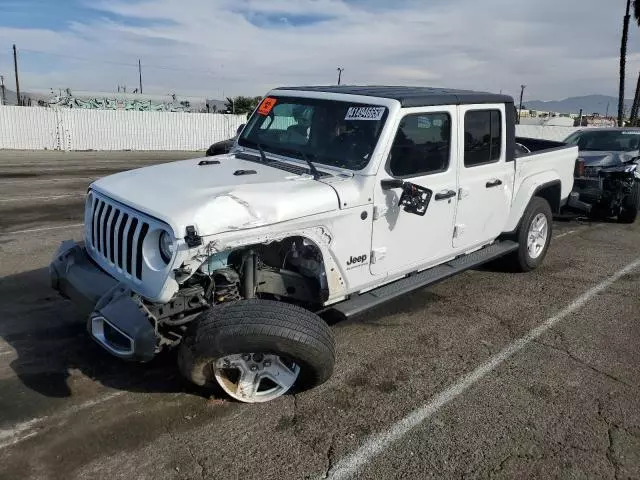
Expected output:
{"points": [[53, 351], [582, 220], [53, 347]]}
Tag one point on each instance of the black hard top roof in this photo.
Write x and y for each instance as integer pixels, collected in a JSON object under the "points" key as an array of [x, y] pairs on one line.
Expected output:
{"points": [[412, 96]]}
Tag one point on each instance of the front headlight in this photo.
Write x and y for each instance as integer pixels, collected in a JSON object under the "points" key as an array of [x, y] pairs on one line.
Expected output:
{"points": [[167, 246]]}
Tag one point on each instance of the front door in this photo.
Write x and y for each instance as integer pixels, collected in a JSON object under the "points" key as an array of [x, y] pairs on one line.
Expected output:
{"points": [[423, 153], [485, 177]]}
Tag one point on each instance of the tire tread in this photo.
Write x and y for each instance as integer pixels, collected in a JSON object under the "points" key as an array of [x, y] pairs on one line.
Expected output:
{"points": [[301, 333]]}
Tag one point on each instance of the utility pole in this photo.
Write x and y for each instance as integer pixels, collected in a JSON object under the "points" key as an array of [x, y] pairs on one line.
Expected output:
{"points": [[522, 87], [340, 70], [3, 94], [15, 67], [140, 75]]}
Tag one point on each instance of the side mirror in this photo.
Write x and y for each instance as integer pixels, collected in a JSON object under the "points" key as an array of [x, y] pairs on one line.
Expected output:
{"points": [[391, 183], [240, 128]]}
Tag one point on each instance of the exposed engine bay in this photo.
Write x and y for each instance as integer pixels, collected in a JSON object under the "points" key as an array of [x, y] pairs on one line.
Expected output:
{"points": [[290, 270]]}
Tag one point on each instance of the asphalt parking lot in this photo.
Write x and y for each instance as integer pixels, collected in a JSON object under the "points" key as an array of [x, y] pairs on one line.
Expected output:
{"points": [[487, 375]]}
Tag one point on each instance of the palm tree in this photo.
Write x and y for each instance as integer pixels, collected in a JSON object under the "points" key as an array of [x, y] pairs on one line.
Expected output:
{"points": [[623, 61], [241, 105], [636, 98], [633, 116]]}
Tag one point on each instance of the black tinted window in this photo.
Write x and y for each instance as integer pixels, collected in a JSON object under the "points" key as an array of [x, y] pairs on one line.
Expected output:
{"points": [[422, 145], [482, 137]]}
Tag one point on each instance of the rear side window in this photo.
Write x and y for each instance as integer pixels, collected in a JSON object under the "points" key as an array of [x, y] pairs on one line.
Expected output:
{"points": [[422, 145], [482, 137]]}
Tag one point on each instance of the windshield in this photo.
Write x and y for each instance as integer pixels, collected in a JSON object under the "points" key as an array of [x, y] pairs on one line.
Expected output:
{"points": [[606, 140], [340, 134]]}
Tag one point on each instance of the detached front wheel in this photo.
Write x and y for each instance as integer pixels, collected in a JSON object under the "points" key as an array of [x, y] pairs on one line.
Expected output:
{"points": [[257, 350]]}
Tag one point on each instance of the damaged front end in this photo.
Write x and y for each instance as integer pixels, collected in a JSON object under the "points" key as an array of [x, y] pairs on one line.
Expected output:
{"points": [[117, 318], [132, 327], [601, 190]]}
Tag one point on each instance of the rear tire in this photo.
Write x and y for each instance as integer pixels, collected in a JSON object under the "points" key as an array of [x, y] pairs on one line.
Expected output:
{"points": [[631, 205], [533, 236], [272, 332]]}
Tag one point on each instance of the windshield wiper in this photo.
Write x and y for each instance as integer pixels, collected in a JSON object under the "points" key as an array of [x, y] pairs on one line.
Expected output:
{"points": [[312, 167], [263, 157]]}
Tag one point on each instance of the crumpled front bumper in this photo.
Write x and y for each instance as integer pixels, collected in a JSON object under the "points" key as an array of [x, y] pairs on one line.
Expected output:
{"points": [[116, 320], [575, 202]]}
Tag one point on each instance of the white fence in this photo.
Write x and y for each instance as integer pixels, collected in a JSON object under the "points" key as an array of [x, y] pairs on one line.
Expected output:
{"points": [[544, 132], [33, 128], [38, 128]]}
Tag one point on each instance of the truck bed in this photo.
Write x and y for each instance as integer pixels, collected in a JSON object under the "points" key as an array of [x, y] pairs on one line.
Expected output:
{"points": [[547, 156], [538, 144], [549, 163]]}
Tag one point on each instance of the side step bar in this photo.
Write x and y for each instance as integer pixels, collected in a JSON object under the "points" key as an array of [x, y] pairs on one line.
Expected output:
{"points": [[359, 303]]}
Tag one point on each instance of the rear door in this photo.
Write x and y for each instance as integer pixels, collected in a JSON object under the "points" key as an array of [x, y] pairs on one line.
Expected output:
{"points": [[485, 176], [423, 153]]}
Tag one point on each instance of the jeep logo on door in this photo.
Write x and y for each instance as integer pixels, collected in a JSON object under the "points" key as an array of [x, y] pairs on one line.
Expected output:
{"points": [[358, 261]]}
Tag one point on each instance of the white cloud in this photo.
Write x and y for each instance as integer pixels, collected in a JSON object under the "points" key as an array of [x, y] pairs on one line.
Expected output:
{"points": [[558, 48]]}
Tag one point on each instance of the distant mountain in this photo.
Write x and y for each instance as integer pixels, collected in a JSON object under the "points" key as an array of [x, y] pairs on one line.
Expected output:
{"points": [[588, 103]]}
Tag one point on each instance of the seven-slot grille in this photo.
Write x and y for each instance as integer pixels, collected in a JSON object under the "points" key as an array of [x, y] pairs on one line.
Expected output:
{"points": [[117, 235]]}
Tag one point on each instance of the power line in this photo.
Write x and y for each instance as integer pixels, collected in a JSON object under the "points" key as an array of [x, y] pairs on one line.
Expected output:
{"points": [[74, 57], [124, 64]]}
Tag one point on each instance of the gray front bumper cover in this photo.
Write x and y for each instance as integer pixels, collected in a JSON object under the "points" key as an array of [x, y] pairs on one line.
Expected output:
{"points": [[116, 320]]}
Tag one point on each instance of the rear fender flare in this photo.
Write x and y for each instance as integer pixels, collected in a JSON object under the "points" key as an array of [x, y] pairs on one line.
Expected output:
{"points": [[528, 189]]}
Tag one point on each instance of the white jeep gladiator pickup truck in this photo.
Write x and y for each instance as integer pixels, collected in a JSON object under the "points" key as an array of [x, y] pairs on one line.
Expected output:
{"points": [[336, 198]]}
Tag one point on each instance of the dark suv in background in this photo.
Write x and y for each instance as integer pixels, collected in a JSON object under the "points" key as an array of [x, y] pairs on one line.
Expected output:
{"points": [[607, 179]]}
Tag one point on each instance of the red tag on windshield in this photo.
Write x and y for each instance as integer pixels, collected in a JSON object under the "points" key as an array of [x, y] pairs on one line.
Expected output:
{"points": [[266, 106]]}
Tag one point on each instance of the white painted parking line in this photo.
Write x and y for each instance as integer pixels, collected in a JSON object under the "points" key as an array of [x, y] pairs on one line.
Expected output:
{"points": [[22, 431], [43, 180], [75, 225], [378, 443], [565, 234], [571, 232], [43, 229], [43, 197]]}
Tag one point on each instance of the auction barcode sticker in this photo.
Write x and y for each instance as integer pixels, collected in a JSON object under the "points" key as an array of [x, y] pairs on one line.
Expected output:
{"points": [[364, 113]]}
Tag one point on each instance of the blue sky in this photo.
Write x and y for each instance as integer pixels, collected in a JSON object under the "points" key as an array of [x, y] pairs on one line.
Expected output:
{"points": [[223, 47], [56, 15]]}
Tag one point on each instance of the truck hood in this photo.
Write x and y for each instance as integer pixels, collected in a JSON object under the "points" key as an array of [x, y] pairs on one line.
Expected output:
{"points": [[607, 159], [230, 195]]}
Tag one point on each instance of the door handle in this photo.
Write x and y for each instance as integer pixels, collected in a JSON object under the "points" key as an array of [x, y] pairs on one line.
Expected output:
{"points": [[494, 183], [444, 195]]}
